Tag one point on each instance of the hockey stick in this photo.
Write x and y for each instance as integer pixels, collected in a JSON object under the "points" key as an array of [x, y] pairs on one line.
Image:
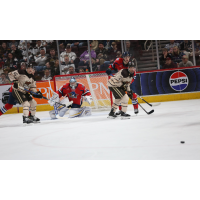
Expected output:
{"points": [[146, 101], [150, 112], [65, 105]]}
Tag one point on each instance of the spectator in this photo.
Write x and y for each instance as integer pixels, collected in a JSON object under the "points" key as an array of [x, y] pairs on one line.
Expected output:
{"points": [[113, 52], [30, 49], [55, 70], [38, 47], [171, 45], [1, 66], [119, 54], [22, 44], [85, 59], [6, 71], [107, 44], [52, 57], [12, 42], [186, 45], [65, 65], [129, 48], [46, 76], [40, 60], [94, 44], [72, 55], [177, 55], [4, 49], [48, 66], [3, 79], [164, 55], [71, 70], [101, 54], [61, 47], [185, 62], [30, 56], [11, 63], [81, 70], [16, 52], [169, 64], [79, 43]]}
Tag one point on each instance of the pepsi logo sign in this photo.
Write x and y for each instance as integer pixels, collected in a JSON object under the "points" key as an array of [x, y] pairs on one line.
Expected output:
{"points": [[178, 81]]}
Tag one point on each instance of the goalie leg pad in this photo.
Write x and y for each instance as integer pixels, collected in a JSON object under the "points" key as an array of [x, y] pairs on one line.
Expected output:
{"points": [[79, 112], [62, 111], [52, 114]]}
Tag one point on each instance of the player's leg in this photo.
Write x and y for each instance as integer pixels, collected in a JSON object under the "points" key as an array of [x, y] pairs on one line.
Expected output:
{"points": [[135, 103], [11, 101], [33, 105], [124, 103], [118, 93], [21, 98]]}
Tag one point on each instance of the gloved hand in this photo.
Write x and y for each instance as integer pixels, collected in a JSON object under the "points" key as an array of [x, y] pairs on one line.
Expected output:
{"points": [[38, 95], [88, 99], [16, 82], [130, 94]]}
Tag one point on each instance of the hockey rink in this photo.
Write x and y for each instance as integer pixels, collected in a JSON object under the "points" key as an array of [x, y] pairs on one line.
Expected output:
{"points": [[155, 136]]}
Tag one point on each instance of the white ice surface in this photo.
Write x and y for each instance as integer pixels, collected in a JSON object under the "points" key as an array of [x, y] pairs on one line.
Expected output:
{"points": [[155, 136]]}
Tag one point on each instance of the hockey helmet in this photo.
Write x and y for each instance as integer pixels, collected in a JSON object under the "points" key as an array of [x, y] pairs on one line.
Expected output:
{"points": [[126, 53], [73, 82], [29, 65]]}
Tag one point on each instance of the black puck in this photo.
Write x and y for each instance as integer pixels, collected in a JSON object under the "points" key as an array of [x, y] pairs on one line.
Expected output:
{"points": [[182, 142]]}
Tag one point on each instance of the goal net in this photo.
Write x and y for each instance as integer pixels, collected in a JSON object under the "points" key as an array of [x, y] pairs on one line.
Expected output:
{"points": [[95, 82]]}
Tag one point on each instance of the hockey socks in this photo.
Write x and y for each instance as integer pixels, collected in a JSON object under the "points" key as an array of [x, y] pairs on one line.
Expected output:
{"points": [[5, 108]]}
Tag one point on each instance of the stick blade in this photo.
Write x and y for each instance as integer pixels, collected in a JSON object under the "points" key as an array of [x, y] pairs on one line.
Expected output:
{"points": [[150, 112]]}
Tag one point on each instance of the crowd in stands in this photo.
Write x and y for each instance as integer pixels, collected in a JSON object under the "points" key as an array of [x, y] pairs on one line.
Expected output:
{"points": [[179, 54], [74, 56]]}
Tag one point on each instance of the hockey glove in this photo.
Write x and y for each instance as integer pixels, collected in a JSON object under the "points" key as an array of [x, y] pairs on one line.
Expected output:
{"points": [[88, 99], [130, 94], [108, 71], [15, 84], [38, 95]]}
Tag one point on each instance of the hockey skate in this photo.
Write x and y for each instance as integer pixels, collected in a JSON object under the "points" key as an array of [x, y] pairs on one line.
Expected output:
{"points": [[112, 114], [27, 120], [34, 119], [124, 115], [118, 113], [136, 111]]}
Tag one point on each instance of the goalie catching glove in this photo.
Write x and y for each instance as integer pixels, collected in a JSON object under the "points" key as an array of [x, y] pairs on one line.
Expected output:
{"points": [[38, 94], [88, 99]]}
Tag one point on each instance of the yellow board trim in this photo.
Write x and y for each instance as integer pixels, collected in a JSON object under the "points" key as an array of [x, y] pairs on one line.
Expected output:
{"points": [[150, 99]]}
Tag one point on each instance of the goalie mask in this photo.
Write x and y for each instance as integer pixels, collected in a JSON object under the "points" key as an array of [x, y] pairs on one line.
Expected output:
{"points": [[73, 83]]}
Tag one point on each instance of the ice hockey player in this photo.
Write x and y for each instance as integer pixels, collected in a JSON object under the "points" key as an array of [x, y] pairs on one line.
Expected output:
{"points": [[11, 100], [22, 83], [119, 85], [123, 63], [75, 93]]}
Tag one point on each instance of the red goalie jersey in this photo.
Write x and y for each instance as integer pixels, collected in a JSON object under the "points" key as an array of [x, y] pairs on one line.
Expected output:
{"points": [[74, 95]]}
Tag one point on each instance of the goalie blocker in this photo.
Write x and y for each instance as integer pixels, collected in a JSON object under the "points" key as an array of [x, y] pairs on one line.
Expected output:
{"points": [[75, 93]]}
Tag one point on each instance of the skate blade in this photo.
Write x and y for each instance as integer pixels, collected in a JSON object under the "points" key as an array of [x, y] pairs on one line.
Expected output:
{"points": [[111, 117], [124, 118], [30, 124]]}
